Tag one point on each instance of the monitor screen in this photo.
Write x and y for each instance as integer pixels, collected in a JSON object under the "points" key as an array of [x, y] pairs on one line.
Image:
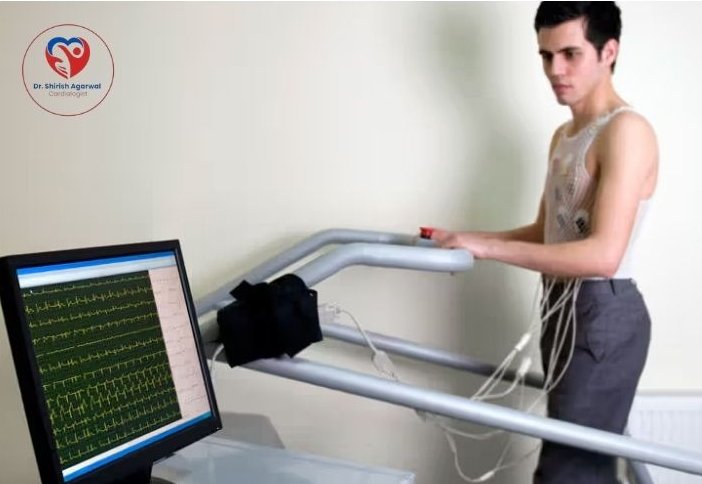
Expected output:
{"points": [[109, 358]]}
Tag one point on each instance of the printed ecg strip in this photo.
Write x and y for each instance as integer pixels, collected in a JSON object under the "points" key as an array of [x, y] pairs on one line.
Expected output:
{"points": [[178, 334]]}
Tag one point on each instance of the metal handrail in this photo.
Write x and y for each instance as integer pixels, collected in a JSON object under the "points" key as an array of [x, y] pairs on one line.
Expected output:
{"points": [[375, 254], [438, 260], [491, 415], [298, 252], [423, 353]]}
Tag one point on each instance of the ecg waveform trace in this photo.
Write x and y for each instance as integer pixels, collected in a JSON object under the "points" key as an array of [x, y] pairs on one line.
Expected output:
{"points": [[102, 360]]}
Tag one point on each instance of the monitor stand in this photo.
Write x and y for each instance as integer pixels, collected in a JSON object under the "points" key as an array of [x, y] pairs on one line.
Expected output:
{"points": [[142, 476]]}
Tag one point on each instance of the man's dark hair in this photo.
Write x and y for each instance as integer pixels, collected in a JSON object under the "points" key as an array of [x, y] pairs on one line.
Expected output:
{"points": [[602, 19]]}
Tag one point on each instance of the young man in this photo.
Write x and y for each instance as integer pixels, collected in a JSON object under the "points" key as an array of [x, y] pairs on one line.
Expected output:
{"points": [[602, 170]]}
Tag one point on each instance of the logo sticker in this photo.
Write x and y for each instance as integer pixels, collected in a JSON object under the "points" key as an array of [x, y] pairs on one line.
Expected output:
{"points": [[67, 57], [68, 70]]}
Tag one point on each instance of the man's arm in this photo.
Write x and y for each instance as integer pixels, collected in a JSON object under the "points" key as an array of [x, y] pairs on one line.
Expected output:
{"points": [[533, 232], [528, 233], [626, 153]]}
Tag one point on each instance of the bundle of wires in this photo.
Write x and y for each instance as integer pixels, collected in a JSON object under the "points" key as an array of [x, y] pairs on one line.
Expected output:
{"points": [[557, 307]]}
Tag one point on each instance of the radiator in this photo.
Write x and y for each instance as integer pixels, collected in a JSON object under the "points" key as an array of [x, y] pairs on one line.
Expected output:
{"points": [[668, 418]]}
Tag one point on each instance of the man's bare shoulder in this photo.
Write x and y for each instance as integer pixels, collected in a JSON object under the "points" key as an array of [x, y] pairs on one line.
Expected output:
{"points": [[629, 132], [628, 126]]}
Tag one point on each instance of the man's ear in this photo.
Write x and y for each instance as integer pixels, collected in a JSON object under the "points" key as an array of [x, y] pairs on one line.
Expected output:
{"points": [[610, 52]]}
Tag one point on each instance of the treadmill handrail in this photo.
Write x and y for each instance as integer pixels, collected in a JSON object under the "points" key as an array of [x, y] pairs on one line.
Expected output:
{"points": [[298, 252], [392, 256], [482, 413], [409, 349]]}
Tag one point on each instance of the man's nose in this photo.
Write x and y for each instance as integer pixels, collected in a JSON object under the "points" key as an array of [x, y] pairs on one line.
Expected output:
{"points": [[558, 66]]}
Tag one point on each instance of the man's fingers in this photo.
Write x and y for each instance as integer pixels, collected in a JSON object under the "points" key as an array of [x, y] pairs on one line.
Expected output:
{"points": [[438, 235]]}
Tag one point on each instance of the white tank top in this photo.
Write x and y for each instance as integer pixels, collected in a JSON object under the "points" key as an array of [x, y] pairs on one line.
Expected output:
{"points": [[570, 192]]}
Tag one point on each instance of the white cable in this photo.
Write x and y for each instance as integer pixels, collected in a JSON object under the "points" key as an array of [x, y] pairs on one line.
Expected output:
{"points": [[518, 382], [523, 342], [558, 343], [380, 359], [499, 466], [559, 307], [546, 315], [212, 364], [523, 369], [496, 376], [519, 378], [454, 449], [499, 372], [461, 433], [549, 382], [559, 340], [214, 358], [548, 388], [548, 285], [385, 366]]}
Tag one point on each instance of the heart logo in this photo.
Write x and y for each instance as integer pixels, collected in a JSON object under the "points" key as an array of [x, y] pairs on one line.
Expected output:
{"points": [[67, 57]]}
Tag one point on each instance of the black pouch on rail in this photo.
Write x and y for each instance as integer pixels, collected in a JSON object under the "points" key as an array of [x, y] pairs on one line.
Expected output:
{"points": [[268, 320]]}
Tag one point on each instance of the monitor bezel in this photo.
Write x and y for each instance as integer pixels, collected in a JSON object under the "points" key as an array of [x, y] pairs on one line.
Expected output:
{"points": [[26, 368]]}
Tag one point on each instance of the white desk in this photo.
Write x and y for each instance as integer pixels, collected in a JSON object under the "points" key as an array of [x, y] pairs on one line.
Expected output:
{"points": [[216, 460]]}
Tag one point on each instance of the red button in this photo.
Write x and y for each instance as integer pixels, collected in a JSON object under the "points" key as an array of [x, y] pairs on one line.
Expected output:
{"points": [[426, 232]]}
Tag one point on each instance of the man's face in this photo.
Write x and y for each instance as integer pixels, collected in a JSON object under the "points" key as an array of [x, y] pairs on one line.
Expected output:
{"points": [[571, 62]]}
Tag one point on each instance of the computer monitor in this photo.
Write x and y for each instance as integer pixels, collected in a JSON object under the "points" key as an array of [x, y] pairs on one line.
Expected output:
{"points": [[108, 359]]}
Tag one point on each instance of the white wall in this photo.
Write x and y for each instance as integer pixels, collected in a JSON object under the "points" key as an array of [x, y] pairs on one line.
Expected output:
{"points": [[242, 128]]}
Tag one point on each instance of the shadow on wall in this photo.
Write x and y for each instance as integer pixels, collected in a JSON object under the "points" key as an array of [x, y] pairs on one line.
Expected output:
{"points": [[492, 190], [492, 182], [492, 316]]}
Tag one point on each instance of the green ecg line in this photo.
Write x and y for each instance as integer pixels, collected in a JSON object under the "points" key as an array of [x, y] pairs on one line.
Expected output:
{"points": [[102, 361]]}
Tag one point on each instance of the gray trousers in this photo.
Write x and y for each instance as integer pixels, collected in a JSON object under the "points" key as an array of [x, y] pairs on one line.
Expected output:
{"points": [[612, 336]]}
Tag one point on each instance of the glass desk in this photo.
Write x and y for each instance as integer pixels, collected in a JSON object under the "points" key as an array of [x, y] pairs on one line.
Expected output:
{"points": [[217, 460]]}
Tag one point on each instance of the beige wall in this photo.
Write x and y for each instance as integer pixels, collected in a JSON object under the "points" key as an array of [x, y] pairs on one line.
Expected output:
{"points": [[242, 128]]}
